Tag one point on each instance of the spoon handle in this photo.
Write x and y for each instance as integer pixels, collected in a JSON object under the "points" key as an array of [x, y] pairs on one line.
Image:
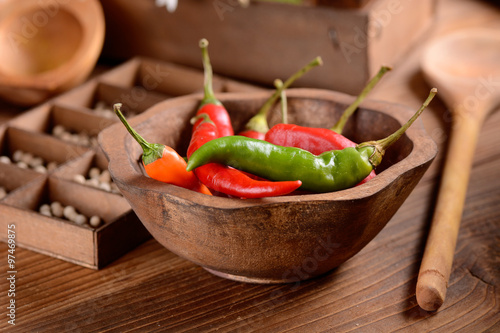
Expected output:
{"points": [[437, 261]]}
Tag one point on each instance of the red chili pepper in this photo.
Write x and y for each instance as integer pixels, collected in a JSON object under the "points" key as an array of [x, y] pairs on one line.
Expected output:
{"points": [[235, 183], [163, 163], [209, 104], [257, 126], [314, 140], [219, 115], [320, 140], [218, 177], [228, 180], [204, 130]]}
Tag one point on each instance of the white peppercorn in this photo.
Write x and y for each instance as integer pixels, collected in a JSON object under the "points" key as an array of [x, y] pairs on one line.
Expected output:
{"points": [[80, 219], [105, 186], [69, 212], [27, 158], [57, 209], [40, 168], [82, 138], [94, 182], [95, 221], [94, 173], [65, 136], [79, 178], [45, 210], [36, 161], [97, 178], [103, 109], [17, 156], [22, 165]]}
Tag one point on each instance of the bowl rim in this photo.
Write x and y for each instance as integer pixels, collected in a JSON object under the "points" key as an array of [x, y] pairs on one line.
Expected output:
{"points": [[120, 164], [90, 16]]}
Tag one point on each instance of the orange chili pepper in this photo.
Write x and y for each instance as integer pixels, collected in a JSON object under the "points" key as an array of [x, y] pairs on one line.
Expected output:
{"points": [[163, 163]]}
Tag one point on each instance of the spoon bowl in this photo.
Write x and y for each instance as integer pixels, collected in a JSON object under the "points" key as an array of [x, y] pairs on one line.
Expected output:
{"points": [[465, 67]]}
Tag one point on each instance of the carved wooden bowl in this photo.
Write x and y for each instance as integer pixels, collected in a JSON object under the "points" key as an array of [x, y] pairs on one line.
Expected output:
{"points": [[278, 239], [47, 47]]}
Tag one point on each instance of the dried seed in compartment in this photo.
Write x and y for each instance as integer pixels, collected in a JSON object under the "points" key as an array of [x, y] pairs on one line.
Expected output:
{"points": [[22, 165], [58, 130], [80, 219], [70, 213], [94, 173], [95, 221], [102, 109], [26, 160], [94, 182], [40, 168], [97, 178], [45, 210], [79, 178], [57, 209], [5, 160], [35, 162], [105, 186], [82, 138], [17, 156]]}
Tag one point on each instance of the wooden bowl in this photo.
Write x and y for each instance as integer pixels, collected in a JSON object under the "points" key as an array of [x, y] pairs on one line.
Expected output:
{"points": [[279, 239], [47, 47]]}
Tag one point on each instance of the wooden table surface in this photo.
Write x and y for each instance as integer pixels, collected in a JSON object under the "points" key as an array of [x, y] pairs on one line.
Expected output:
{"points": [[151, 289]]}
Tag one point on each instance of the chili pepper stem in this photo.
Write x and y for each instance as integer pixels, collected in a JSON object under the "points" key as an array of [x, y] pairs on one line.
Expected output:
{"points": [[380, 146], [151, 151], [259, 121], [339, 126], [204, 116], [209, 96], [284, 111]]}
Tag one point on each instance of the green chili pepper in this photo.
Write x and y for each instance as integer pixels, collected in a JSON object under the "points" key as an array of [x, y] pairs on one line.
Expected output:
{"points": [[331, 171]]}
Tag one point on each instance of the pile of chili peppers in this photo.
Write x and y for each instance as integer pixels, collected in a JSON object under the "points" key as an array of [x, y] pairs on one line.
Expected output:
{"points": [[261, 161]]}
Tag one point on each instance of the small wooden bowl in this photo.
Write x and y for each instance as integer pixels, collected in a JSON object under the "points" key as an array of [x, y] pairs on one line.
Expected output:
{"points": [[47, 47], [279, 239]]}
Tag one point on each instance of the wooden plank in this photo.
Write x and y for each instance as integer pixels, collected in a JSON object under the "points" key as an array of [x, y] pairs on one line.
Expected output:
{"points": [[151, 290]]}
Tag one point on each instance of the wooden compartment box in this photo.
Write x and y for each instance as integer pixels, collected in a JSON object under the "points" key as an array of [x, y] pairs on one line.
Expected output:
{"points": [[82, 113], [265, 41]]}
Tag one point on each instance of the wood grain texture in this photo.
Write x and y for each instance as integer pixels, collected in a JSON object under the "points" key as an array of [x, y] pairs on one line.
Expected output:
{"points": [[152, 290]]}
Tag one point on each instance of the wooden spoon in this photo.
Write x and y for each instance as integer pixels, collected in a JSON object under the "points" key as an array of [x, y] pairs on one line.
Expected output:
{"points": [[465, 67]]}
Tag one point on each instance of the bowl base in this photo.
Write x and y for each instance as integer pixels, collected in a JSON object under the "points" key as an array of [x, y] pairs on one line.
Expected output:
{"points": [[246, 279]]}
